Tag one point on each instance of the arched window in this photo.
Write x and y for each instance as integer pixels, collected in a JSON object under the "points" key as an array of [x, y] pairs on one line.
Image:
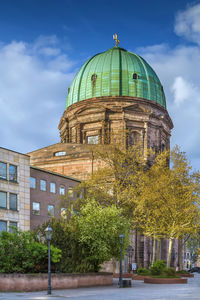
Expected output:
{"points": [[93, 78], [135, 76]]}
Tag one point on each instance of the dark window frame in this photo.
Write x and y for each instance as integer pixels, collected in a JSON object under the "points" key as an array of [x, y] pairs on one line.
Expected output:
{"points": [[41, 189], [15, 174], [62, 187], [6, 222], [6, 177], [52, 184], [14, 209], [2, 207], [11, 225], [49, 213], [34, 182], [34, 210]]}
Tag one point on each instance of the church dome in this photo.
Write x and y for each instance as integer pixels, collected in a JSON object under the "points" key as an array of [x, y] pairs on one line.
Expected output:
{"points": [[116, 72]]}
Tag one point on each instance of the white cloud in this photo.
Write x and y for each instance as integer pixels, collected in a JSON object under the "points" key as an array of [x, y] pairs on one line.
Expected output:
{"points": [[184, 91], [33, 89], [187, 23], [179, 71]]}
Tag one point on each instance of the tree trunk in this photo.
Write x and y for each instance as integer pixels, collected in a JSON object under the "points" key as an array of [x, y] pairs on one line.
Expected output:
{"points": [[146, 252], [136, 241], [169, 255], [180, 254], [154, 250], [158, 254]]}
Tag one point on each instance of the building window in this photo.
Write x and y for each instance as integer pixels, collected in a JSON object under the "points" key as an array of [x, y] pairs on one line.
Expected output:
{"points": [[43, 185], [62, 190], [52, 187], [70, 192], [3, 226], [80, 195], [3, 170], [32, 182], [63, 212], [36, 208], [13, 201], [3, 200], [60, 153], [162, 147], [135, 76], [51, 210], [94, 139], [11, 225], [13, 173]]}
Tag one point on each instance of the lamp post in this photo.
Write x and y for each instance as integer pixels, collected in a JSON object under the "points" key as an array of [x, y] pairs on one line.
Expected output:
{"points": [[121, 238], [48, 232]]}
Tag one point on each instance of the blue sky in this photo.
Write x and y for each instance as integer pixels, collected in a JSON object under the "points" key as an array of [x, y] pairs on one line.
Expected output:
{"points": [[44, 42]]}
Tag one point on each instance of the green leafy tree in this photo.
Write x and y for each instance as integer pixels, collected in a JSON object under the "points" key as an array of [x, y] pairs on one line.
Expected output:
{"points": [[99, 229], [90, 237]]}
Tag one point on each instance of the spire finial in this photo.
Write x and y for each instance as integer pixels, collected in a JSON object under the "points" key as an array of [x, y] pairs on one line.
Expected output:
{"points": [[115, 37]]}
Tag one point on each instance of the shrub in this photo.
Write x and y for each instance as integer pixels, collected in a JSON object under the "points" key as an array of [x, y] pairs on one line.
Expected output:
{"points": [[20, 252], [142, 271], [169, 272], [158, 267], [183, 272]]}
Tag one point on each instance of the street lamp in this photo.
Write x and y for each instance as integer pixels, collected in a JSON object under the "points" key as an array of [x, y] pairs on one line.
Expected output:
{"points": [[121, 239], [48, 233]]}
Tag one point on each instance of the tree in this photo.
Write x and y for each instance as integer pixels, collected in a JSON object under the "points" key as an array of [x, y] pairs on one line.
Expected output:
{"points": [[168, 207], [90, 237], [162, 202], [99, 229]]}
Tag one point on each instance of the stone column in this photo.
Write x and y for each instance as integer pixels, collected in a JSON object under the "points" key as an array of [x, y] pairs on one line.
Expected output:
{"points": [[103, 132], [78, 133]]}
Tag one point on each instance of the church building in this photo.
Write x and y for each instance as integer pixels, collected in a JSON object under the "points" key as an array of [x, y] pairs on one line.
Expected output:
{"points": [[113, 91]]}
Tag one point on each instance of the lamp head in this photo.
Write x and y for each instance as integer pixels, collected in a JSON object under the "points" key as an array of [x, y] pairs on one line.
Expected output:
{"points": [[48, 232], [121, 238]]}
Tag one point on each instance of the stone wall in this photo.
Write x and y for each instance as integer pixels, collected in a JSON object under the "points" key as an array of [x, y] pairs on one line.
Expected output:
{"points": [[37, 282]]}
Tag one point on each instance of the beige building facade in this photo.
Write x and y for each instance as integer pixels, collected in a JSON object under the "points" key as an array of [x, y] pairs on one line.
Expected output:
{"points": [[14, 190]]}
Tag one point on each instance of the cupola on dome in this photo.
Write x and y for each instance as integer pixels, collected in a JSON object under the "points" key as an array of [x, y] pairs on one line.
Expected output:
{"points": [[116, 72]]}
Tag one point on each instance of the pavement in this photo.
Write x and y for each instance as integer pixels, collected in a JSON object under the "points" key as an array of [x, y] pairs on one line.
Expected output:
{"points": [[138, 291]]}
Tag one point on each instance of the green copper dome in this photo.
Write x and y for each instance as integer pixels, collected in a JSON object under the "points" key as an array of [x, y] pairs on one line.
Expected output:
{"points": [[116, 72]]}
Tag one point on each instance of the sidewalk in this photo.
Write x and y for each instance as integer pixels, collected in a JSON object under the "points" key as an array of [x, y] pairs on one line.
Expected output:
{"points": [[139, 291]]}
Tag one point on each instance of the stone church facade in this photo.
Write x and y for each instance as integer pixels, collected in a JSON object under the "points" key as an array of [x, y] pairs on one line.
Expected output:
{"points": [[113, 91]]}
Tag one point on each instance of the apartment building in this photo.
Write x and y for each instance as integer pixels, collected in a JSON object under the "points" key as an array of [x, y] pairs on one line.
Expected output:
{"points": [[46, 192], [14, 190]]}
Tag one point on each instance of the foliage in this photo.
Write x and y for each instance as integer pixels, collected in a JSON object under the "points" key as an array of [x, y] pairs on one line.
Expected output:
{"points": [[157, 268], [169, 202], [192, 245], [170, 272], [90, 237], [159, 193], [20, 252], [143, 271], [182, 272]]}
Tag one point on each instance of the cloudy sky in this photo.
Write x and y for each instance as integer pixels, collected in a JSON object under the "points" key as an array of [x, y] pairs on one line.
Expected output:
{"points": [[44, 42]]}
